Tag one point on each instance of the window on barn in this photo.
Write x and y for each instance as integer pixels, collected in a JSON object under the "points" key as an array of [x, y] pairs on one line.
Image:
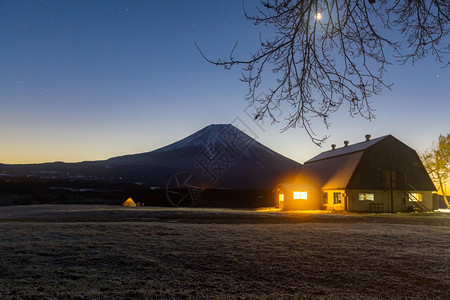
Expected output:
{"points": [[325, 198], [388, 177], [400, 162], [378, 161], [366, 197], [337, 198], [300, 195], [414, 197], [394, 179]]}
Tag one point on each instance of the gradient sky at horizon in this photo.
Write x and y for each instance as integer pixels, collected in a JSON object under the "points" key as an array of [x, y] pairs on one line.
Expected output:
{"points": [[89, 80]]}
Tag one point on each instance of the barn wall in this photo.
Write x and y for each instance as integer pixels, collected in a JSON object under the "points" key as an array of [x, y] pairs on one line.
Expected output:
{"points": [[312, 203], [427, 199], [382, 201], [350, 201]]}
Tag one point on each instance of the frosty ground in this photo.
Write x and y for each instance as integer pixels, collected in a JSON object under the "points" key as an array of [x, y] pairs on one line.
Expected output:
{"points": [[100, 252]]}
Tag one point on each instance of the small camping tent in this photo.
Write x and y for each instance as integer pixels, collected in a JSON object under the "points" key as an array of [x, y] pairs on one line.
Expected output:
{"points": [[129, 202]]}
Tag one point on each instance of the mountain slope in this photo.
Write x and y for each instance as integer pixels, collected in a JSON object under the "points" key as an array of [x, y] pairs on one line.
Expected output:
{"points": [[222, 156]]}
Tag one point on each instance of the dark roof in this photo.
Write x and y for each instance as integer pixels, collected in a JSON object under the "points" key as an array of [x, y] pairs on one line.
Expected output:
{"points": [[347, 150], [336, 169]]}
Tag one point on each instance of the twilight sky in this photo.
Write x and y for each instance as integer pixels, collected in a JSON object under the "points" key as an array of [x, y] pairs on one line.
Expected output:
{"points": [[89, 80]]}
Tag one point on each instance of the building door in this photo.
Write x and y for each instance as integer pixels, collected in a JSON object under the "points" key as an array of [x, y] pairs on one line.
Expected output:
{"points": [[281, 201], [337, 200]]}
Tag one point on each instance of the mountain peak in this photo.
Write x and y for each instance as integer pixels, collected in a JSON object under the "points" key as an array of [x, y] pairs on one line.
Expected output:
{"points": [[214, 135], [219, 126]]}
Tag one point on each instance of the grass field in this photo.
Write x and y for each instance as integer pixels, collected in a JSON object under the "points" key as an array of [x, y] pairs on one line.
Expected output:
{"points": [[99, 252]]}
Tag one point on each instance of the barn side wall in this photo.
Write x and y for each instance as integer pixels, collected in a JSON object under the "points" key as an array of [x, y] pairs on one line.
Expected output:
{"points": [[382, 201], [312, 203]]}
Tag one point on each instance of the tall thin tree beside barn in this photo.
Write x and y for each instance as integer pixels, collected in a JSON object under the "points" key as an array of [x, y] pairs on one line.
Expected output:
{"points": [[436, 160]]}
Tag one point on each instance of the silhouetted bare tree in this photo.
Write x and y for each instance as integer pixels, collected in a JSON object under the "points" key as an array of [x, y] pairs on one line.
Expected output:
{"points": [[327, 52]]}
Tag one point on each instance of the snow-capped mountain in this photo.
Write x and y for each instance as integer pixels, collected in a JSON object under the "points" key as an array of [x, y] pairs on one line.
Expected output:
{"points": [[219, 156]]}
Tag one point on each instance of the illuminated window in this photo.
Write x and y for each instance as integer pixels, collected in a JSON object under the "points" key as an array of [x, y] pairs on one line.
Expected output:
{"points": [[414, 197], [301, 195], [337, 198], [366, 197]]}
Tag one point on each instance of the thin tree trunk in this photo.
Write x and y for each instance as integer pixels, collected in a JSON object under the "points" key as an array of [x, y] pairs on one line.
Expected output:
{"points": [[446, 201], [443, 192]]}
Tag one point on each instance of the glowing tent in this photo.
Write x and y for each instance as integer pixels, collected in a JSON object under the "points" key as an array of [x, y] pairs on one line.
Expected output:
{"points": [[129, 202]]}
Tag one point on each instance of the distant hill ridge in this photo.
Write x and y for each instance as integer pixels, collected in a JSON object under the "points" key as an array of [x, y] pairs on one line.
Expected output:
{"points": [[219, 155]]}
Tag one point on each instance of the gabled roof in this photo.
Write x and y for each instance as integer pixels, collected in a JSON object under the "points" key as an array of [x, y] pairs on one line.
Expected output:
{"points": [[353, 166], [301, 182], [332, 173], [347, 150]]}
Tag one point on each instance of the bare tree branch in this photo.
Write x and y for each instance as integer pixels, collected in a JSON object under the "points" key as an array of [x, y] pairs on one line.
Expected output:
{"points": [[329, 52]]}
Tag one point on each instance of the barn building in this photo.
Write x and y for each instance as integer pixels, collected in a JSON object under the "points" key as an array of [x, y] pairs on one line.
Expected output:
{"points": [[377, 175]]}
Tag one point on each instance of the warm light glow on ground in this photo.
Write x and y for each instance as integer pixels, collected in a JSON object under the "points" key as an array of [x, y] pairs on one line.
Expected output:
{"points": [[267, 209], [273, 209], [310, 211]]}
